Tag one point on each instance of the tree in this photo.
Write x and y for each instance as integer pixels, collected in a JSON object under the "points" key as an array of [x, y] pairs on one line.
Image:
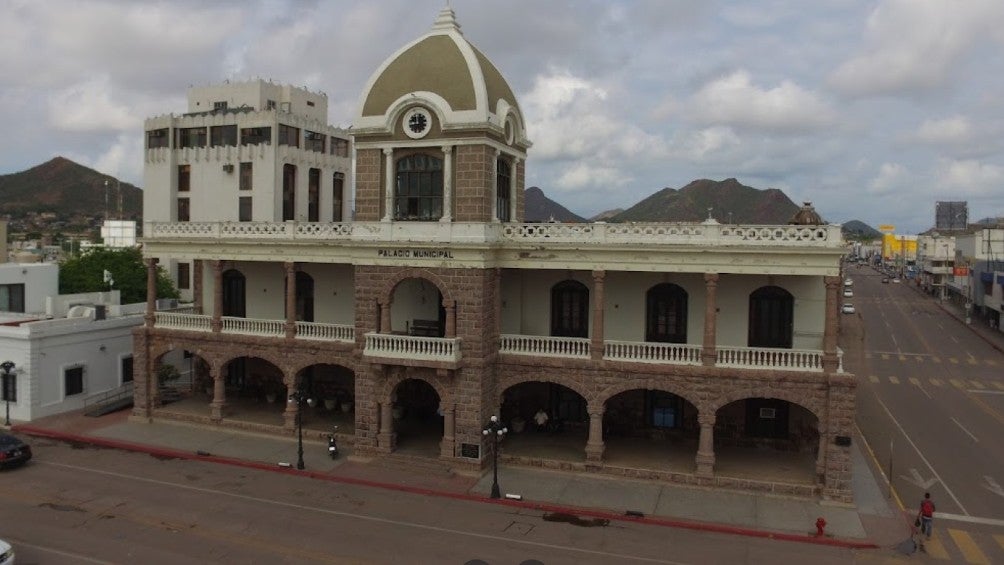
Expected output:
{"points": [[86, 274]]}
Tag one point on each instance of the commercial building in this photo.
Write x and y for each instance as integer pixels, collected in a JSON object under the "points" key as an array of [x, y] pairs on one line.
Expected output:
{"points": [[698, 353]]}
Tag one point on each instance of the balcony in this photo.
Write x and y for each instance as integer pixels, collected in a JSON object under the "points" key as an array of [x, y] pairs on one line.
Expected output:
{"points": [[190, 322], [412, 350]]}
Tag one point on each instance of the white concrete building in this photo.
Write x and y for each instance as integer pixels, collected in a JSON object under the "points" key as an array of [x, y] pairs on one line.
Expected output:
{"points": [[245, 153], [935, 263], [69, 351]]}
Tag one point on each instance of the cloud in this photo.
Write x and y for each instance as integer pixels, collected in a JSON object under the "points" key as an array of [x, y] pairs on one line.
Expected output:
{"points": [[734, 100], [970, 178], [890, 178], [948, 131], [583, 175], [88, 106], [916, 45]]}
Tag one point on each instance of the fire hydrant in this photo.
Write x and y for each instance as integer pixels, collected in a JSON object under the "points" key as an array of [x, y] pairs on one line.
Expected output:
{"points": [[820, 524]]}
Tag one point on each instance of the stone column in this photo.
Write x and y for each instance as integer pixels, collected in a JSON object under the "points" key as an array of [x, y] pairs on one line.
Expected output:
{"points": [[385, 326], [292, 383], [830, 361], [595, 445], [290, 299], [447, 447], [388, 188], [596, 341], [447, 184], [219, 402], [513, 190], [451, 318], [217, 322], [151, 292], [821, 453], [706, 446], [385, 437], [197, 285], [708, 353], [495, 187], [497, 289]]}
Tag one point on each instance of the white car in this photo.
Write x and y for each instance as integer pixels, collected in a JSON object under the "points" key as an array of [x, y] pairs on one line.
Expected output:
{"points": [[895, 280], [847, 308], [848, 293], [6, 553]]}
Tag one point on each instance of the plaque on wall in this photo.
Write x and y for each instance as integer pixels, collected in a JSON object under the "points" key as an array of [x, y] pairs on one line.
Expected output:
{"points": [[470, 450]]}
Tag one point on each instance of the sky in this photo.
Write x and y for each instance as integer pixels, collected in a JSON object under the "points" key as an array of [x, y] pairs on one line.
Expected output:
{"points": [[872, 110]]}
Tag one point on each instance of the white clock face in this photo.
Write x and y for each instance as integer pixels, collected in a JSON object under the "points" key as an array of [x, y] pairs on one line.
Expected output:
{"points": [[416, 123]]}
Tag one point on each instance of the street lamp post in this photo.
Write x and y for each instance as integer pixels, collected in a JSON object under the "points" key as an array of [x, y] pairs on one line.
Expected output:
{"points": [[7, 368], [299, 396], [496, 430]]}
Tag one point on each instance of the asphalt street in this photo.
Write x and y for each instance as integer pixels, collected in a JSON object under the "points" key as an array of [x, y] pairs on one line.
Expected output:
{"points": [[80, 504], [931, 405]]}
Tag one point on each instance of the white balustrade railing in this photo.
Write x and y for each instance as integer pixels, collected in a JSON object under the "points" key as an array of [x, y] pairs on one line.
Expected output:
{"points": [[679, 233], [180, 321], [412, 347], [647, 352], [252, 326], [576, 347], [327, 332], [769, 358]]}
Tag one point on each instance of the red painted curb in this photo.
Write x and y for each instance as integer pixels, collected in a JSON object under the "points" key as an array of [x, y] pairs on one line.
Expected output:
{"points": [[666, 522]]}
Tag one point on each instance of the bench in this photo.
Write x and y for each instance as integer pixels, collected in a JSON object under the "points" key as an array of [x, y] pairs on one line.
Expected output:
{"points": [[425, 328]]}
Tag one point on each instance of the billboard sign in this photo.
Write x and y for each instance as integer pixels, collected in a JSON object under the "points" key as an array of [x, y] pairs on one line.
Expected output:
{"points": [[960, 271], [887, 228]]}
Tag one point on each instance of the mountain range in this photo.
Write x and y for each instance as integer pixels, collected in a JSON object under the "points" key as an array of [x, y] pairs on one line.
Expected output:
{"points": [[66, 188]]}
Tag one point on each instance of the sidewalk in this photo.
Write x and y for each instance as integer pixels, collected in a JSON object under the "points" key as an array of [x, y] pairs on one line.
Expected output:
{"points": [[872, 522]]}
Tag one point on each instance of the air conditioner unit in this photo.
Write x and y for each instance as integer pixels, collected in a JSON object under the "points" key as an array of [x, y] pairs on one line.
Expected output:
{"points": [[228, 168]]}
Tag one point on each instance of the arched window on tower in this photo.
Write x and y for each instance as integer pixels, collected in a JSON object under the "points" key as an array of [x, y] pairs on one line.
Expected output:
{"points": [[503, 184], [418, 194]]}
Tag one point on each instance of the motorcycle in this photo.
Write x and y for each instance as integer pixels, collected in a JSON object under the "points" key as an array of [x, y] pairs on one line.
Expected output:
{"points": [[332, 445]]}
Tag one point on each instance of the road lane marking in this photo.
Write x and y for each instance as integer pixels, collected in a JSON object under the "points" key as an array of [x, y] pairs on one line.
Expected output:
{"points": [[902, 357], [919, 358], [977, 384], [991, 362], [894, 380], [873, 379], [973, 361], [999, 385], [969, 519], [953, 360], [936, 382], [959, 424], [954, 338], [368, 518], [914, 381], [999, 538], [991, 485], [935, 359], [885, 356], [970, 551], [934, 547], [995, 392], [906, 436], [957, 383]]}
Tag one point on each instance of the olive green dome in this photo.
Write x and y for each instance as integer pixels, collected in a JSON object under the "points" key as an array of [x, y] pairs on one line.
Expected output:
{"points": [[443, 71]]}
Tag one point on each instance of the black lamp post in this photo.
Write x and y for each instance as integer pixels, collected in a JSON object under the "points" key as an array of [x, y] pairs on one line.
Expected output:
{"points": [[299, 396], [496, 430], [7, 367]]}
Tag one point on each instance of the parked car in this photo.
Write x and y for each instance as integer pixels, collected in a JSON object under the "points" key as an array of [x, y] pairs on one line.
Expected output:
{"points": [[895, 280], [6, 553], [847, 308], [848, 293], [13, 452], [885, 280]]}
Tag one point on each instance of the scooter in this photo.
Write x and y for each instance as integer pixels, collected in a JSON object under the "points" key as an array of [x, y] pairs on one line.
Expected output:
{"points": [[332, 445]]}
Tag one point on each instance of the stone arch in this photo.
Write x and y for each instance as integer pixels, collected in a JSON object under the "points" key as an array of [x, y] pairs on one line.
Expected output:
{"points": [[416, 273], [690, 396], [794, 397], [391, 382], [509, 381]]}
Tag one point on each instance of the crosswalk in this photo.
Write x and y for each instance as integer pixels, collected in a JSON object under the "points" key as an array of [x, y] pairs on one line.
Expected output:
{"points": [[921, 358], [957, 546], [973, 385]]}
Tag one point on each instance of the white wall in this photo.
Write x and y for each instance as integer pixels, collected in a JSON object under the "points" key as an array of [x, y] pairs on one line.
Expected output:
{"points": [[40, 280]]}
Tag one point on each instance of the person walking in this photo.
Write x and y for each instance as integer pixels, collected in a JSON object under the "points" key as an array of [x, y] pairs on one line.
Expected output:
{"points": [[926, 515]]}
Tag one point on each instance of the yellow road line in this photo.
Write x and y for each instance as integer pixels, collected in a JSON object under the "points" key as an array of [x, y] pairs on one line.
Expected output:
{"points": [[953, 360], [991, 362], [915, 381], [936, 359], [936, 382], [999, 538], [873, 379], [957, 383], [977, 384], [934, 547], [1000, 386], [902, 357], [885, 356], [972, 361], [919, 358], [970, 551], [894, 380]]}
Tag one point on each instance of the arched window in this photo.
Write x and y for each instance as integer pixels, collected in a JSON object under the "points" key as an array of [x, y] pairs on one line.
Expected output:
{"points": [[666, 314], [570, 309], [233, 294], [771, 317], [503, 197], [418, 193]]}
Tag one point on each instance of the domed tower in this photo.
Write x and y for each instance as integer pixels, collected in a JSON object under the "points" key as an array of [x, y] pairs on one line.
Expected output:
{"points": [[439, 135]]}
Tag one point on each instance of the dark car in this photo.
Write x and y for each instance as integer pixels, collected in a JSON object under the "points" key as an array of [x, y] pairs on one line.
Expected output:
{"points": [[13, 452]]}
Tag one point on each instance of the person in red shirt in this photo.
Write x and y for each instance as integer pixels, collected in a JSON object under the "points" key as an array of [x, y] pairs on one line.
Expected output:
{"points": [[926, 514]]}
